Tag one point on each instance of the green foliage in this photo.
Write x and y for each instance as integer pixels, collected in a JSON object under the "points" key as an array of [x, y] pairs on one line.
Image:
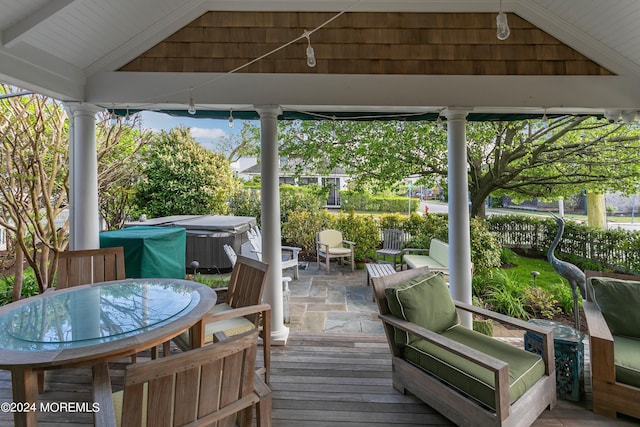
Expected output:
{"points": [[363, 202], [246, 202], [540, 303], [587, 247], [182, 177], [507, 256], [301, 227], [29, 286], [306, 198], [361, 229], [213, 281], [519, 158], [505, 296]]}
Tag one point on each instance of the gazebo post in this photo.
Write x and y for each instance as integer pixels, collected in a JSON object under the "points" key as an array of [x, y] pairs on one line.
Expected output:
{"points": [[271, 236], [84, 224], [459, 237]]}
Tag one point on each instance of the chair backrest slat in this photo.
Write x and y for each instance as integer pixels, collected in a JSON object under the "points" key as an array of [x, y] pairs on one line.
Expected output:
{"points": [[89, 266], [392, 239], [246, 284], [193, 385]]}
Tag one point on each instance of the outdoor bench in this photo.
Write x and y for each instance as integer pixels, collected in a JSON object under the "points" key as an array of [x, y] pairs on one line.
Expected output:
{"points": [[436, 257]]}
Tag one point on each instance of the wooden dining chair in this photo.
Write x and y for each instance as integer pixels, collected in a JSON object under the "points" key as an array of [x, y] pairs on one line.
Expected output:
{"points": [[204, 386], [89, 266], [241, 311]]}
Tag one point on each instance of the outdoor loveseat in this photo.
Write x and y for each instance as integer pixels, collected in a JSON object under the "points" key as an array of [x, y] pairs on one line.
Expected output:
{"points": [[613, 318], [472, 379]]}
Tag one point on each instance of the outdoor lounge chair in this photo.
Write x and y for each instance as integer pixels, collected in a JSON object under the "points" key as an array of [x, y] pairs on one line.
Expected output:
{"points": [[470, 378], [330, 245], [611, 311], [289, 253], [197, 387]]}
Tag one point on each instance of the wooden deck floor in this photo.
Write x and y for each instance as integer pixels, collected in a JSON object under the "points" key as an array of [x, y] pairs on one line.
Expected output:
{"points": [[318, 379]]}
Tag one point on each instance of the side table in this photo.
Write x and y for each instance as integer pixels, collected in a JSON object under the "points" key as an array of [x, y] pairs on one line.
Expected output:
{"points": [[569, 354]]}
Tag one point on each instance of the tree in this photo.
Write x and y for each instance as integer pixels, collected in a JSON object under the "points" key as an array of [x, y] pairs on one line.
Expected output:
{"points": [[182, 177], [522, 159], [120, 151], [34, 178], [33, 181], [234, 146]]}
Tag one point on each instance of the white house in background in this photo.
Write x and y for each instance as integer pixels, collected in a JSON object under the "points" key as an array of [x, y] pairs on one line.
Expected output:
{"points": [[243, 163], [336, 180]]}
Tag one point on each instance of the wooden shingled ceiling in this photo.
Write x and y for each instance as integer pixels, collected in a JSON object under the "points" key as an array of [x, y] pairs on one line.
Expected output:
{"points": [[364, 43]]}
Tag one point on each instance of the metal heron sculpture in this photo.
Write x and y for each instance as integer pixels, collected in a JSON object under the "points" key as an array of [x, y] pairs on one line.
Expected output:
{"points": [[573, 274]]}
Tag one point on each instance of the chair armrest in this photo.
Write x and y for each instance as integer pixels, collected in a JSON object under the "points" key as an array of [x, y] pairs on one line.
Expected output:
{"points": [[601, 344], [348, 242], [105, 417], [321, 244], [293, 249], [237, 312], [545, 333], [406, 251]]}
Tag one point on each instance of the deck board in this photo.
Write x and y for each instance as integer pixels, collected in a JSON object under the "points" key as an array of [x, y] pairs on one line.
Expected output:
{"points": [[318, 380]]}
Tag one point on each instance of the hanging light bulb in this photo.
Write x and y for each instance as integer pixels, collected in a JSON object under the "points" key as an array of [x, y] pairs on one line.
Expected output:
{"points": [[113, 119], [439, 123], [545, 119], [128, 120], [231, 117], [311, 57], [192, 107], [503, 31]]}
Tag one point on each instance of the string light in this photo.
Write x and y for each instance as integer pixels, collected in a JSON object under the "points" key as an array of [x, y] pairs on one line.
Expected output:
{"points": [[231, 117], [113, 119], [545, 120], [502, 31], [192, 107], [311, 57], [128, 121]]}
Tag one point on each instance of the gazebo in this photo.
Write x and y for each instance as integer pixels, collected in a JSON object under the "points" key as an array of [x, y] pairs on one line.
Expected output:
{"points": [[286, 59]]}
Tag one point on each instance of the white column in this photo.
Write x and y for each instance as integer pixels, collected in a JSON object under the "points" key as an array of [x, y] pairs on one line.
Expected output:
{"points": [[83, 177], [271, 237], [459, 237]]}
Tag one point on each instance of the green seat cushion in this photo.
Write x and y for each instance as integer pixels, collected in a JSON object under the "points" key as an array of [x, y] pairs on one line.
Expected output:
{"points": [[627, 360], [417, 261], [525, 368], [424, 301], [618, 300]]}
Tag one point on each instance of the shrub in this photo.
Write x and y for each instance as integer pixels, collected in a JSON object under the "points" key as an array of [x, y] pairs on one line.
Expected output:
{"points": [[505, 296], [246, 202], [29, 286], [540, 303], [308, 198], [301, 227], [361, 229]]}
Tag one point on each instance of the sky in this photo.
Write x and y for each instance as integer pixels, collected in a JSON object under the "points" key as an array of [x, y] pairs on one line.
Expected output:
{"points": [[206, 131]]}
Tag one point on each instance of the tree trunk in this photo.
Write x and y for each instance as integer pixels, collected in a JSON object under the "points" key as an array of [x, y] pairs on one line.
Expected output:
{"points": [[596, 212], [17, 277]]}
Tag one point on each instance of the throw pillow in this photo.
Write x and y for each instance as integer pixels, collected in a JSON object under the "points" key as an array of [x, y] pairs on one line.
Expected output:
{"points": [[619, 302], [424, 301]]}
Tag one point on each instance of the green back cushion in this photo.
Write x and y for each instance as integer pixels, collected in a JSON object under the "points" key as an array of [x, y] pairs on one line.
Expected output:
{"points": [[424, 301], [618, 301]]}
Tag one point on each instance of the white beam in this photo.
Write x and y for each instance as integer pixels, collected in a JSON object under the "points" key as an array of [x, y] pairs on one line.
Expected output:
{"points": [[505, 92], [20, 29]]}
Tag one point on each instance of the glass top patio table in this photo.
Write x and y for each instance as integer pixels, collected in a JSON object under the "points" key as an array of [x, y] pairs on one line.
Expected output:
{"points": [[89, 325], [95, 315]]}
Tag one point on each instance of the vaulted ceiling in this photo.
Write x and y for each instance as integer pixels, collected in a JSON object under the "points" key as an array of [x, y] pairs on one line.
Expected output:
{"points": [[413, 56]]}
